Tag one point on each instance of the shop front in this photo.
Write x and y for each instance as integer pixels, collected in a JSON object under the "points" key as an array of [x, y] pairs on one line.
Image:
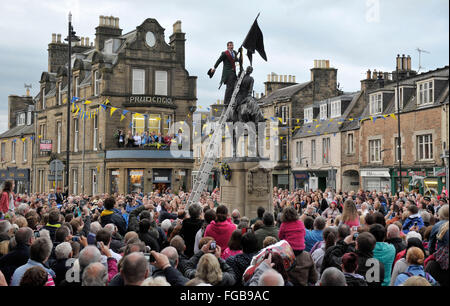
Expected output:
{"points": [[300, 179], [319, 180], [114, 180], [21, 178], [428, 181], [162, 179], [281, 178], [135, 180], [376, 179]]}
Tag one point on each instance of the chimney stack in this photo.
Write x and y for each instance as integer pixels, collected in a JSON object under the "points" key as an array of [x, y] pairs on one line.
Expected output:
{"points": [[177, 27], [108, 28]]}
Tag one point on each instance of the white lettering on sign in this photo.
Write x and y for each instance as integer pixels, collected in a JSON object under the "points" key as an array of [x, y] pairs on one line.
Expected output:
{"points": [[137, 172], [161, 178]]}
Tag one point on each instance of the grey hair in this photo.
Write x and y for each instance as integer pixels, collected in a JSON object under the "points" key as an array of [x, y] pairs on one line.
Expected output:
{"points": [[269, 276], [62, 250], [110, 228], [22, 207], [88, 255], [5, 226], [95, 227], [95, 274], [332, 277], [44, 233]]}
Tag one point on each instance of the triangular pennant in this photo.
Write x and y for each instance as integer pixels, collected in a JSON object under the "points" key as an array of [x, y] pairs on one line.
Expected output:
{"points": [[113, 109], [87, 102], [122, 117]]}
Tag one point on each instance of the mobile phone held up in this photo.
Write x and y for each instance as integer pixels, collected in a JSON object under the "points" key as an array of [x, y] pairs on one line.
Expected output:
{"points": [[213, 246], [149, 257]]}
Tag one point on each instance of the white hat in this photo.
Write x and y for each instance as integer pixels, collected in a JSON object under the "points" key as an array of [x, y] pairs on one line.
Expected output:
{"points": [[413, 234]]}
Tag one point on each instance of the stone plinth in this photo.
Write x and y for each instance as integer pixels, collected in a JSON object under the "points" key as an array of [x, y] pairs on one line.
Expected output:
{"points": [[248, 188]]}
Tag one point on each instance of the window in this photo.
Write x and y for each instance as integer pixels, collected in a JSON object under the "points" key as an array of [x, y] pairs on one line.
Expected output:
{"points": [[21, 119], [138, 125], [400, 98], [283, 149], [375, 150], [59, 93], [138, 82], [59, 135], [326, 150], [3, 151], [277, 111], [41, 180], [299, 152], [323, 112], [108, 48], [153, 123], [75, 135], [284, 114], [43, 98], [25, 150], [30, 113], [13, 152], [74, 181], [161, 83], [308, 114], [425, 93], [43, 131], [313, 151], [335, 109], [350, 146], [96, 83], [397, 149], [376, 104], [77, 87], [94, 181], [425, 147], [95, 134]]}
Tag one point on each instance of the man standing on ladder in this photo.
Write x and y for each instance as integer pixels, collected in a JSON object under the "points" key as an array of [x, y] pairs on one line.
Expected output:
{"points": [[229, 58]]}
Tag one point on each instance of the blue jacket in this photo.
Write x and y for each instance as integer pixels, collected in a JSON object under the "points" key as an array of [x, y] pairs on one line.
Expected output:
{"points": [[409, 222], [414, 270], [20, 271], [311, 238], [433, 237], [385, 253]]}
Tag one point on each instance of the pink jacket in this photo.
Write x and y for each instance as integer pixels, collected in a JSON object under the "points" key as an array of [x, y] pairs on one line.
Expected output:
{"points": [[221, 232], [294, 233], [227, 253], [4, 202]]}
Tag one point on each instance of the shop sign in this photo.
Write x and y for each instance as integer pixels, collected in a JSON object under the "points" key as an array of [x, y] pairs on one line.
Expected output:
{"points": [[375, 173], [137, 172]]}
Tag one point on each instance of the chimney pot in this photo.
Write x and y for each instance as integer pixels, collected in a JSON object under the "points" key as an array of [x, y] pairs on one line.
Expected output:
{"points": [[408, 63], [315, 63], [53, 38], [117, 22], [285, 78], [86, 41], [177, 26], [58, 38], [368, 74], [293, 79], [100, 20], [327, 63], [375, 74], [268, 78], [290, 78]]}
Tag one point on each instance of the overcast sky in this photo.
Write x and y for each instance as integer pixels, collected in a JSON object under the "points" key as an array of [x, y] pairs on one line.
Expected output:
{"points": [[354, 35]]}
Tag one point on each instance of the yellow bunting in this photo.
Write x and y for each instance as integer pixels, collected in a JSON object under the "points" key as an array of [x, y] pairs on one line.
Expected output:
{"points": [[107, 101], [393, 116], [317, 126], [40, 136], [113, 109], [23, 139], [87, 102], [122, 117], [350, 119]]}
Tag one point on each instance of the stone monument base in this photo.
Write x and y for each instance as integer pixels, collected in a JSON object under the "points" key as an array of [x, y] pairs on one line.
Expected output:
{"points": [[250, 187]]}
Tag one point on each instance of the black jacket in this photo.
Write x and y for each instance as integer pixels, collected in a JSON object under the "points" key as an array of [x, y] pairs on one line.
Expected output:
{"points": [[172, 275], [188, 231], [353, 281], [14, 259], [397, 243], [164, 214], [52, 228], [182, 263], [333, 255], [239, 263], [60, 269], [149, 240], [117, 220], [228, 278]]}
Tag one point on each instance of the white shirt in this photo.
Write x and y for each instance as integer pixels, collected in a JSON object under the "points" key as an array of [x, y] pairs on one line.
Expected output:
{"points": [[11, 203], [114, 255]]}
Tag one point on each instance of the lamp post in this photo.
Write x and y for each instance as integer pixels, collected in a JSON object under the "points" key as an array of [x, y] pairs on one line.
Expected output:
{"points": [[398, 126], [70, 37]]}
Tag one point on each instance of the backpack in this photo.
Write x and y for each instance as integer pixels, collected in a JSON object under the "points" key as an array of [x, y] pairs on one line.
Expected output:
{"points": [[427, 277]]}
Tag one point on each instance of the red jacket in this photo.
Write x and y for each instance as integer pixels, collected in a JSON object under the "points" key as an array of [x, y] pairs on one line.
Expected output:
{"points": [[294, 233], [221, 232]]}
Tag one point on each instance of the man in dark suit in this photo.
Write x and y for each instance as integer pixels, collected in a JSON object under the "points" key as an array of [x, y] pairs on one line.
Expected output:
{"points": [[229, 78]]}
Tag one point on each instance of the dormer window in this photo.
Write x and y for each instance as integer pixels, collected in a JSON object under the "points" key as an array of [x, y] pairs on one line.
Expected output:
{"points": [[376, 103], [425, 92], [108, 46], [308, 114], [21, 119], [323, 112], [336, 109]]}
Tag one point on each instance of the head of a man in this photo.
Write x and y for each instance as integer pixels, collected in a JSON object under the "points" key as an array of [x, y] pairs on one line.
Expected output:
{"points": [[63, 250], [41, 249], [172, 254], [95, 274], [134, 269], [24, 236], [271, 278], [393, 231], [178, 243], [230, 45], [88, 255]]}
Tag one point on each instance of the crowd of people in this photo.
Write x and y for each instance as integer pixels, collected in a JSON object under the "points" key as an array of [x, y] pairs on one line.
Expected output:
{"points": [[305, 238], [146, 139]]}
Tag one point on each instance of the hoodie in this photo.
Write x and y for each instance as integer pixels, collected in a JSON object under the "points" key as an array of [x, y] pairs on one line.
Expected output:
{"points": [[221, 232], [415, 270], [385, 253]]}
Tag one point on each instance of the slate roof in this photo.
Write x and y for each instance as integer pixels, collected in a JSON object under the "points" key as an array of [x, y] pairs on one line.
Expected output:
{"points": [[283, 93]]}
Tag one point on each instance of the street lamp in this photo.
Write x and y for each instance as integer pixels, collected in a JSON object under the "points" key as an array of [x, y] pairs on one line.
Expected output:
{"points": [[70, 37]]}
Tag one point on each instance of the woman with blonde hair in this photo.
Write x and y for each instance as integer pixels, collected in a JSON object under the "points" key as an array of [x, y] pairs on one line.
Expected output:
{"points": [[415, 258], [350, 214], [208, 270]]}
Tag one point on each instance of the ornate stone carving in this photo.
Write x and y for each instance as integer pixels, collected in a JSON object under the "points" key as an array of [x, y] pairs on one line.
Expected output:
{"points": [[258, 180]]}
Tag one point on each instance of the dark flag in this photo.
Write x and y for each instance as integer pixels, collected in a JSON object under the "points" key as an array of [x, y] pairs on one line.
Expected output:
{"points": [[254, 41]]}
